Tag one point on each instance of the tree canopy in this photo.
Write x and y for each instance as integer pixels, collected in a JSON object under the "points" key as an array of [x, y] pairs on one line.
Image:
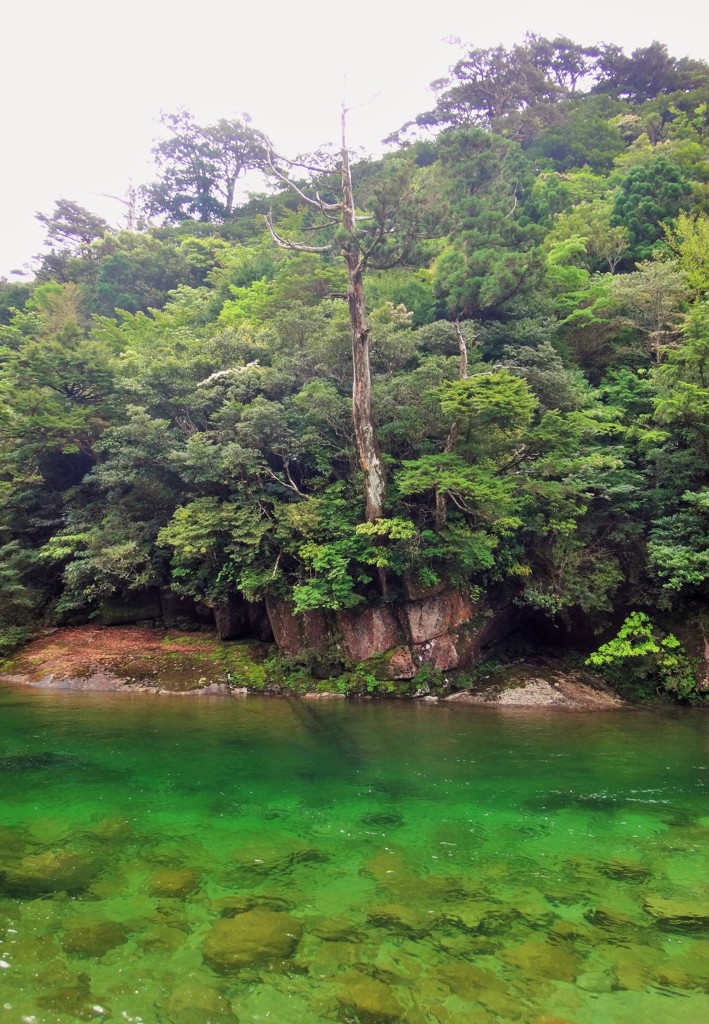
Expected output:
{"points": [[526, 272]]}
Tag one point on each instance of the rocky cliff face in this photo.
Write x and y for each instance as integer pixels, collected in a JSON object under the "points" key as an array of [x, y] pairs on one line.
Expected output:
{"points": [[443, 629]]}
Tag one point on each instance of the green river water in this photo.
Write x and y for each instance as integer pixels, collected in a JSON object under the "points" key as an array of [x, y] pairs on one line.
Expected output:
{"points": [[208, 861]]}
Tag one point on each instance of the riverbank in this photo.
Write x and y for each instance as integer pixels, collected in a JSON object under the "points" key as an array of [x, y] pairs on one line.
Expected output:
{"points": [[171, 663]]}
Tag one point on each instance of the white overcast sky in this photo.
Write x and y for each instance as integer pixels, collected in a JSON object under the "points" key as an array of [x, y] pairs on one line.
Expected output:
{"points": [[83, 82]]}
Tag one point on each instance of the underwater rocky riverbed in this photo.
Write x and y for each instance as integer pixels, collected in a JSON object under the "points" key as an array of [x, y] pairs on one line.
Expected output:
{"points": [[173, 862]]}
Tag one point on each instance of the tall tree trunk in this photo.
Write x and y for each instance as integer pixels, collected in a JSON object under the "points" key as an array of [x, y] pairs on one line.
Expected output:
{"points": [[230, 189], [365, 431], [452, 438]]}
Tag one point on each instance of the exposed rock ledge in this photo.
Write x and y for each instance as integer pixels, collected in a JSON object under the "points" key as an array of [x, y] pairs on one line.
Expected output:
{"points": [[543, 684], [104, 682]]}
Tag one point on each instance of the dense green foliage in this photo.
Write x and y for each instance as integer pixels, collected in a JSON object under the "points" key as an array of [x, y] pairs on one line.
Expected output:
{"points": [[637, 659], [175, 401]]}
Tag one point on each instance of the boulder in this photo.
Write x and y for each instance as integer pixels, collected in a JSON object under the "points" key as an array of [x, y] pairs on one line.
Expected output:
{"points": [[255, 937], [433, 616], [439, 653], [401, 664], [414, 590], [369, 631], [442, 629], [476, 640], [231, 618], [297, 633]]}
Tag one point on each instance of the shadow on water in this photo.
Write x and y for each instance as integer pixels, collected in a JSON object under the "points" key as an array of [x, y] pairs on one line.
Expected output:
{"points": [[58, 766], [328, 737], [17, 763]]}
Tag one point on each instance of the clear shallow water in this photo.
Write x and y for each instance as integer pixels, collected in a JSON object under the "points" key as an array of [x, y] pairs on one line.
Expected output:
{"points": [[187, 861]]}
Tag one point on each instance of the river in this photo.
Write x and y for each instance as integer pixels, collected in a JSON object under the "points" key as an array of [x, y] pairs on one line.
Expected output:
{"points": [[208, 861]]}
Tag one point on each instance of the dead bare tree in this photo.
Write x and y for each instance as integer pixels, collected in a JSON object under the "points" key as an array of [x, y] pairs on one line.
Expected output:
{"points": [[359, 249], [452, 438]]}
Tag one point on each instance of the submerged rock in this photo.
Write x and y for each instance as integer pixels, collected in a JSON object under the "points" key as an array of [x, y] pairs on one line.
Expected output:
{"points": [[162, 937], [267, 858], [230, 906], [685, 915], [68, 994], [331, 957], [172, 882], [89, 938], [254, 937], [338, 928], [542, 960], [110, 830], [388, 866], [467, 917], [625, 870], [372, 1001], [383, 819], [194, 1003], [479, 985], [402, 919], [13, 843], [595, 981], [43, 873]]}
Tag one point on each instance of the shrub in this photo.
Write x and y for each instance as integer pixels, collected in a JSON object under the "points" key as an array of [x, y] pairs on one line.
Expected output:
{"points": [[12, 637], [641, 660]]}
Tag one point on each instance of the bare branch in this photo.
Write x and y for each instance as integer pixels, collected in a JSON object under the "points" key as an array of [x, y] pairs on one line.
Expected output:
{"points": [[285, 243], [320, 227], [318, 203], [308, 167], [366, 103], [463, 349], [514, 204], [458, 501], [291, 485]]}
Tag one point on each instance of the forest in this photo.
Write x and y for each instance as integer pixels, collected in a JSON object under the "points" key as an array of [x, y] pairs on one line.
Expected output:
{"points": [[477, 361]]}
